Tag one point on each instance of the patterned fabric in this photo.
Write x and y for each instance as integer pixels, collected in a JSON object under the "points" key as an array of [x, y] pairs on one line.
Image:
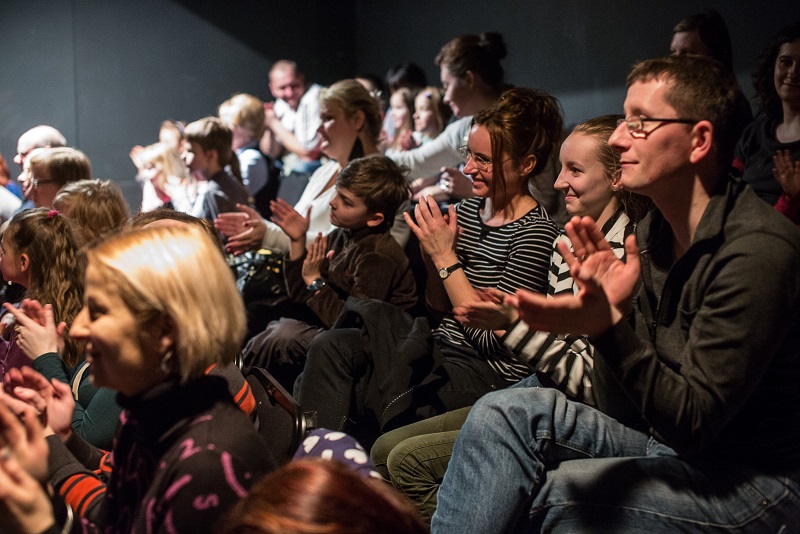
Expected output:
{"points": [[566, 359], [509, 257], [339, 447], [184, 454]]}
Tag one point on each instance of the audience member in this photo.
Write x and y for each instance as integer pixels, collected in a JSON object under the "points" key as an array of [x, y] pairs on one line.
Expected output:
{"points": [[244, 114], [415, 457], [357, 259], [208, 154], [404, 75], [147, 301], [703, 34], [6, 181], [697, 362], [293, 120], [473, 79], [97, 207], [49, 169], [10, 193], [351, 122], [401, 111], [504, 240], [315, 495], [164, 175], [37, 137], [40, 252], [769, 147], [431, 115]]}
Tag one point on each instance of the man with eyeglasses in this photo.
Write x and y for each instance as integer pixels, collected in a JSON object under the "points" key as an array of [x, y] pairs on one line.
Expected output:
{"points": [[293, 120], [698, 350]]}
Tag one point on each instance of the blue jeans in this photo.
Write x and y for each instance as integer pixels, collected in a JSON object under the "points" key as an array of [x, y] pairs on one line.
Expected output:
{"points": [[529, 460]]}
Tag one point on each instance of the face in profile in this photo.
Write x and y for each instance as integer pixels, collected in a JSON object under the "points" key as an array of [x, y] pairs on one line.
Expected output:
{"points": [[338, 132], [456, 94]]}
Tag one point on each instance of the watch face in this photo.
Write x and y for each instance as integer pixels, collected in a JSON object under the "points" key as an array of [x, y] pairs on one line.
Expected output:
{"points": [[443, 272]]}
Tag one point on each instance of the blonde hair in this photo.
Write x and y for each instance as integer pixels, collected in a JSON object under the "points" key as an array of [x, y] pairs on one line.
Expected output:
{"points": [[178, 273], [352, 97], [63, 164], [97, 207], [246, 112], [441, 111], [163, 157]]}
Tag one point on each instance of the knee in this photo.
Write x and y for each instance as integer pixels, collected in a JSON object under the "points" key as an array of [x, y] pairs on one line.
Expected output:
{"points": [[498, 411]]}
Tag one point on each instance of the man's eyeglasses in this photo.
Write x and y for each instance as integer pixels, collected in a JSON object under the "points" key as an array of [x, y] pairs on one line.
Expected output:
{"points": [[635, 124], [481, 163]]}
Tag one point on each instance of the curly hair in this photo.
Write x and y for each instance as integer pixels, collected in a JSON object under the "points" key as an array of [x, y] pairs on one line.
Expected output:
{"points": [[764, 76], [57, 267], [524, 122]]}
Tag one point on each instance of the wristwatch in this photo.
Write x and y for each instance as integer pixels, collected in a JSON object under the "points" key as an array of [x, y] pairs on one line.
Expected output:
{"points": [[444, 272], [316, 285]]}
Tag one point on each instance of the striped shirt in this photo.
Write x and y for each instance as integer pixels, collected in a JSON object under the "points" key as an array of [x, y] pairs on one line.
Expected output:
{"points": [[508, 257], [566, 359]]}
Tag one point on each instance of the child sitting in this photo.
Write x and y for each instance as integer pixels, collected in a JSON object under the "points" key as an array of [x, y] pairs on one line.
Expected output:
{"points": [[244, 114], [359, 259], [431, 115], [208, 153]]}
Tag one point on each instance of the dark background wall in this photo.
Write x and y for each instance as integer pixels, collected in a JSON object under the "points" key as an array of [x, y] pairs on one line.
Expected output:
{"points": [[107, 73]]}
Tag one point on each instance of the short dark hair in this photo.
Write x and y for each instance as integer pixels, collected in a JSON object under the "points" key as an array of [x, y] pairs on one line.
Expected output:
{"points": [[703, 89], [713, 32], [406, 74], [379, 182]]}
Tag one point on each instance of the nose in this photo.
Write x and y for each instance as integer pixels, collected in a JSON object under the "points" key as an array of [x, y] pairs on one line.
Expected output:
{"points": [[561, 181], [80, 325], [469, 167], [620, 138]]}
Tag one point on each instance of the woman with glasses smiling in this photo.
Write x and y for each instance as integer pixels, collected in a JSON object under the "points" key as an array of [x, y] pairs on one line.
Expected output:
{"points": [[48, 169], [501, 238]]}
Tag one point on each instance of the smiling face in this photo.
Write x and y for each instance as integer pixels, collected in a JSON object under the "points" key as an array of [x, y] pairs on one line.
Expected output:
{"points": [[401, 115], [287, 85], [425, 117], [125, 355], [787, 72], [338, 132], [584, 180], [661, 150]]}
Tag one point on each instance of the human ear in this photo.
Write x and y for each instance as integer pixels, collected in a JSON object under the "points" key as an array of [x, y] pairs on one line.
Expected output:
{"points": [[470, 78], [527, 165], [358, 119], [702, 141], [375, 219], [24, 262]]}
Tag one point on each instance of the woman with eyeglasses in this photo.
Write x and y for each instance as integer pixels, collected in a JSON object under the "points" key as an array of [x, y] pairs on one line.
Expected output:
{"points": [[501, 238]]}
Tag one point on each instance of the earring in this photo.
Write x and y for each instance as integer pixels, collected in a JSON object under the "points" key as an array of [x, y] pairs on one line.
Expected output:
{"points": [[165, 367]]}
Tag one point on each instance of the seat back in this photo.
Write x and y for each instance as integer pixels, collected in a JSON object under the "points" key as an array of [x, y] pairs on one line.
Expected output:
{"points": [[281, 420]]}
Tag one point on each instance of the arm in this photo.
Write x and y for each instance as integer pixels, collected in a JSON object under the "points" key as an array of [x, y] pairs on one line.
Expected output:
{"points": [[437, 236], [787, 172], [429, 159], [288, 139]]}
